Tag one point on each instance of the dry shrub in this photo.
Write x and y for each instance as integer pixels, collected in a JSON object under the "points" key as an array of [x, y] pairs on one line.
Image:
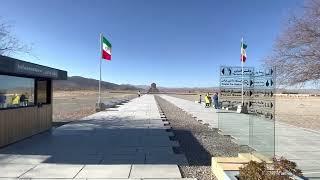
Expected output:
{"points": [[279, 169]]}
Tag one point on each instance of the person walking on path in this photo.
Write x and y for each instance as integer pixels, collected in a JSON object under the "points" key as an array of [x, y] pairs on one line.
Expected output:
{"points": [[200, 99], [216, 100], [139, 93]]}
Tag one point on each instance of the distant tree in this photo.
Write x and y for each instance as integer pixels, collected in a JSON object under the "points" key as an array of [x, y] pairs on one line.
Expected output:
{"points": [[9, 44], [296, 53]]}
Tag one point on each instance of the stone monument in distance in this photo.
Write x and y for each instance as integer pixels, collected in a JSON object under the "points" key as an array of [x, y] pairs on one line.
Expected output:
{"points": [[153, 88]]}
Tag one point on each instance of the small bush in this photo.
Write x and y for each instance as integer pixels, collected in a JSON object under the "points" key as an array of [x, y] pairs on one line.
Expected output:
{"points": [[279, 169]]}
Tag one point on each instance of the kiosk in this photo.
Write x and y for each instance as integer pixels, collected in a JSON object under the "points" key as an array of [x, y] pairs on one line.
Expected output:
{"points": [[25, 98]]}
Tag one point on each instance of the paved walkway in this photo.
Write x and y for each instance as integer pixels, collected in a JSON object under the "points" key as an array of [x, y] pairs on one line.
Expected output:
{"points": [[297, 144], [130, 141]]}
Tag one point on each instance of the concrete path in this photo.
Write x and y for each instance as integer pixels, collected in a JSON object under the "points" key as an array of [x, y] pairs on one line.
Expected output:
{"points": [[297, 144], [130, 141]]}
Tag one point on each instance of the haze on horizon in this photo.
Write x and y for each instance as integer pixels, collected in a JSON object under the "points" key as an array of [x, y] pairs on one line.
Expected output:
{"points": [[173, 43]]}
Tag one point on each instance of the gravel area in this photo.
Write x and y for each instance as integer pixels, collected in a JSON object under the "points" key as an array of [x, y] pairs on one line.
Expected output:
{"points": [[198, 142]]}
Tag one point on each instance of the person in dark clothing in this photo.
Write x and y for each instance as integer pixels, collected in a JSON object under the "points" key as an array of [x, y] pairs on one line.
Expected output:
{"points": [[23, 100], [200, 100], [216, 100]]}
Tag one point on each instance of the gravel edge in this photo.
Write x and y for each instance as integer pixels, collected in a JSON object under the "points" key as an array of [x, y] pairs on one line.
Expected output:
{"points": [[196, 142]]}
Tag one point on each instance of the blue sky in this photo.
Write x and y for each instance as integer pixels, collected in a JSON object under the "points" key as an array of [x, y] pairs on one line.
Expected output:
{"points": [[174, 43]]}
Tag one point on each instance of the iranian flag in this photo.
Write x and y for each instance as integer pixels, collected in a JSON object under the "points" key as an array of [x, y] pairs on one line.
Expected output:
{"points": [[243, 51], [106, 49]]}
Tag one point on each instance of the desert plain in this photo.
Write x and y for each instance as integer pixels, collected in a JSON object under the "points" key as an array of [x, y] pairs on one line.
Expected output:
{"points": [[295, 109], [74, 105]]}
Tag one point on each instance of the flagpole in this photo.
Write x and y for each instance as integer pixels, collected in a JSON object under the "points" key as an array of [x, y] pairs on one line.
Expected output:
{"points": [[242, 102], [100, 61]]}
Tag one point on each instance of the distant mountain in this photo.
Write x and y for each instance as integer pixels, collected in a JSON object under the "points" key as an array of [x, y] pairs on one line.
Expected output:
{"points": [[180, 89], [189, 89], [81, 83], [145, 87]]}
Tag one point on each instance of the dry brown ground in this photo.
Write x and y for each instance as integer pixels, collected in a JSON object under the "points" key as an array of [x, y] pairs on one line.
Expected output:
{"points": [[301, 111], [74, 105]]}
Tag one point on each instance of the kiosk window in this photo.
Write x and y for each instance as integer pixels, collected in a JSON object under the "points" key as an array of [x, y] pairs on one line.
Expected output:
{"points": [[42, 92], [16, 91]]}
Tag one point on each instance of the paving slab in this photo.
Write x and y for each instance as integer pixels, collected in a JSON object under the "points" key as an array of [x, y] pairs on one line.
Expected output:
{"points": [[133, 133], [50, 179], [136, 158], [105, 171], [14, 170], [53, 171], [112, 179], [166, 158], [74, 158], [156, 150], [155, 171], [30, 159], [171, 179], [6, 158]]}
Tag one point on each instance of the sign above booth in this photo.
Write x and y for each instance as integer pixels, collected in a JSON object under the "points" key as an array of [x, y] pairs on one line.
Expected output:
{"points": [[13, 66], [29, 69]]}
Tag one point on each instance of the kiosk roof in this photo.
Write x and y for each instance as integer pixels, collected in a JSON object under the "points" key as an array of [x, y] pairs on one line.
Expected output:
{"points": [[11, 66]]}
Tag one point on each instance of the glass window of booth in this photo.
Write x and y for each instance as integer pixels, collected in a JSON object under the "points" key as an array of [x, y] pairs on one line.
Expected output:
{"points": [[43, 92], [16, 91]]}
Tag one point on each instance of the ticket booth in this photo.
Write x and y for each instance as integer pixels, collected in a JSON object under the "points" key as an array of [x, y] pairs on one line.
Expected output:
{"points": [[25, 98]]}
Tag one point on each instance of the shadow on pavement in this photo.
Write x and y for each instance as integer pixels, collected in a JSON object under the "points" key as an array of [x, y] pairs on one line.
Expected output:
{"points": [[106, 141]]}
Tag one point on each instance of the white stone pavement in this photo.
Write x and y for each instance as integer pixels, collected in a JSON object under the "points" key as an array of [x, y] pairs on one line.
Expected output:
{"points": [[297, 144], [130, 141]]}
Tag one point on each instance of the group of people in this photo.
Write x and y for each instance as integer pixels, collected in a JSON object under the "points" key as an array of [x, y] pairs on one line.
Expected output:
{"points": [[16, 100], [208, 100]]}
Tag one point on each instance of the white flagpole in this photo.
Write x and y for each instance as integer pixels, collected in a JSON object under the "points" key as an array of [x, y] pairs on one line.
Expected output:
{"points": [[100, 59], [242, 72]]}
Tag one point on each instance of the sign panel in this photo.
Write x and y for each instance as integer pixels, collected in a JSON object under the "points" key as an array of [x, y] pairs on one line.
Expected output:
{"points": [[236, 71], [248, 82], [258, 89], [264, 72], [235, 82]]}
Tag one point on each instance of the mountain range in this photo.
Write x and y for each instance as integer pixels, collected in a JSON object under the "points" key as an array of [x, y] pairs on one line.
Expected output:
{"points": [[81, 83]]}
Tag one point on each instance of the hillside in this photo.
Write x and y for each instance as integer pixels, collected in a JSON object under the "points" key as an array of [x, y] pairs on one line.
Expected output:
{"points": [[81, 83]]}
